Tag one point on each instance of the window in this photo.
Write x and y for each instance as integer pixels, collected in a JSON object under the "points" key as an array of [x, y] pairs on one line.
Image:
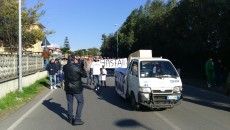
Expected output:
{"points": [[135, 68], [157, 69]]}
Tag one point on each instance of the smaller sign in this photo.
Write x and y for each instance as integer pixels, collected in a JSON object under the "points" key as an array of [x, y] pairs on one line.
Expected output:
{"points": [[114, 63]]}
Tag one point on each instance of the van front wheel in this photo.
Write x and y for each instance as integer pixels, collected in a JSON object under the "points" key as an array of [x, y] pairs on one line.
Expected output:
{"points": [[134, 104]]}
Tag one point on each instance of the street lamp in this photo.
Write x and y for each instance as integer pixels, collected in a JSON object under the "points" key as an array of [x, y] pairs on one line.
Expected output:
{"points": [[117, 39], [19, 45]]}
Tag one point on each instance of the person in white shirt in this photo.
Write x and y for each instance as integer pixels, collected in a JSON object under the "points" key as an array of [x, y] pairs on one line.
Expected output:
{"points": [[103, 76], [96, 65]]}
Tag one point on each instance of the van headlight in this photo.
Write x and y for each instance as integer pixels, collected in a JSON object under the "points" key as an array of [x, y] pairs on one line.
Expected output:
{"points": [[145, 89], [177, 89]]}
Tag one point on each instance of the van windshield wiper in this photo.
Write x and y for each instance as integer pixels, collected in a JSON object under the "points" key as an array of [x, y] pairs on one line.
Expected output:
{"points": [[168, 76], [158, 76]]}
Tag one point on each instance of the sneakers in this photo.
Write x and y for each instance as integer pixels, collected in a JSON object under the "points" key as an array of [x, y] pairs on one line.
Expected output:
{"points": [[78, 122], [53, 87], [97, 88]]}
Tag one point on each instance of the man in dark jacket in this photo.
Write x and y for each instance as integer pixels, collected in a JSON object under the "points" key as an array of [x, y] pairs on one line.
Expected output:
{"points": [[52, 70], [59, 72], [74, 88]]}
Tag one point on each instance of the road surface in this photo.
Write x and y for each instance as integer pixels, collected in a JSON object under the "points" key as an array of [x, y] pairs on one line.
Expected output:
{"points": [[200, 110]]}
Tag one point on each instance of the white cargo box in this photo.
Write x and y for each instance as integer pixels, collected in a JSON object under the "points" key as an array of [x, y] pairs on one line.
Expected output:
{"points": [[141, 54]]}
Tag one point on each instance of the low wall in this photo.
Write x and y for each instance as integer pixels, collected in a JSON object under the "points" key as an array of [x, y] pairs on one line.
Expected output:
{"points": [[12, 85], [9, 65]]}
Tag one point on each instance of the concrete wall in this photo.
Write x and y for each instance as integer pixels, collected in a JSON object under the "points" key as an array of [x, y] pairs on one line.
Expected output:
{"points": [[12, 85], [9, 65]]}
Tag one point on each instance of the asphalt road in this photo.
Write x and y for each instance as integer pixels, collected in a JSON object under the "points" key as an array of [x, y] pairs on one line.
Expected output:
{"points": [[200, 110]]}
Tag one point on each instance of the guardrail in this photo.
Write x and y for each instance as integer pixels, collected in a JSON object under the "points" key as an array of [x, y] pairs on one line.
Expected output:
{"points": [[9, 65]]}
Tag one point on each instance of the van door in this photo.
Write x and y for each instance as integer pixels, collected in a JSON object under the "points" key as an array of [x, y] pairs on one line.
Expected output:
{"points": [[134, 78]]}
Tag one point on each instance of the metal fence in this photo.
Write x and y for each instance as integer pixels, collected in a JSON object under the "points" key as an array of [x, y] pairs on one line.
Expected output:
{"points": [[9, 65]]}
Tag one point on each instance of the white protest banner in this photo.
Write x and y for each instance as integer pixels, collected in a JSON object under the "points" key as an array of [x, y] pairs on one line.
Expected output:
{"points": [[114, 63]]}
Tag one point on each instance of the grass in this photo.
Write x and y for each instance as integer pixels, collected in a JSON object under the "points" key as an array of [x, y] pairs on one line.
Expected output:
{"points": [[14, 100]]}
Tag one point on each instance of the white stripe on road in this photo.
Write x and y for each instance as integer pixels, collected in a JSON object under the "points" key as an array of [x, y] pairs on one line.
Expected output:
{"points": [[167, 121], [16, 123]]}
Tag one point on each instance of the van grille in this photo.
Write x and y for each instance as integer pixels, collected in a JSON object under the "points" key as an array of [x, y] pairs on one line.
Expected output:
{"points": [[159, 91]]}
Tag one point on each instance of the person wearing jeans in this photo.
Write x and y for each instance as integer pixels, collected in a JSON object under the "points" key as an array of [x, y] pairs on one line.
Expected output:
{"points": [[80, 101], [74, 89], [59, 67], [53, 81], [52, 71]]}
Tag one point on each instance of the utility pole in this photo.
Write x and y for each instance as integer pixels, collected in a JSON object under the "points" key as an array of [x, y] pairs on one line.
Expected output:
{"points": [[46, 51], [117, 40], [20, 45]]}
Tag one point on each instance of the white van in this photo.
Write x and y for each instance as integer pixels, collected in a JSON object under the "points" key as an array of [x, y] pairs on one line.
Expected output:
{"points": [[152, 82]]}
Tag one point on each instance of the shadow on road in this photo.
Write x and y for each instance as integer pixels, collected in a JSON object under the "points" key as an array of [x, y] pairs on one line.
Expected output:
{"points": [[109, 95], [130, 123], [205, 98], [45, 84], [56, 108]]}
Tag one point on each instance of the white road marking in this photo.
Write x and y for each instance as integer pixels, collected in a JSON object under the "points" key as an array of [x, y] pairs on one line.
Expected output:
{"points": [[167, 121], [16, 123]]}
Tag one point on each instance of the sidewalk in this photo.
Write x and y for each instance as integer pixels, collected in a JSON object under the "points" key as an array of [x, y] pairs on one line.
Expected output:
{"points": [[7, 121], [202, 84]]}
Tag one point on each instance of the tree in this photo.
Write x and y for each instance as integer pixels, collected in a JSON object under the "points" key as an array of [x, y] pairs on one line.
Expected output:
{"points": [[9, 25], [187, 32], [108, 48], [81, 52], [66, 43], [66, 47], [87, 52], [93, 51]]}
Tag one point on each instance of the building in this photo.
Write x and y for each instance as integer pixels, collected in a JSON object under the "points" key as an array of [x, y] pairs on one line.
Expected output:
{"points": [[54, 50], [37, 48]]}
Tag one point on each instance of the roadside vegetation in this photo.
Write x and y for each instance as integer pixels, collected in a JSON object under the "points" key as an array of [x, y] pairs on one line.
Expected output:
{"points": [[15, 100], [9, 25], [187, 32]]}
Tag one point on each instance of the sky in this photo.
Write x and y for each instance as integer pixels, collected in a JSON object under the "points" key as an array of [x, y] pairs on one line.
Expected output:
{"points": [[84, 21]]}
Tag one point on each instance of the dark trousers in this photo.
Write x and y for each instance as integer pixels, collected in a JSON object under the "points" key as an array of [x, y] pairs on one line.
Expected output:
{"points": [[96, 80], [89, 79], [103, 83], [80, 101]]}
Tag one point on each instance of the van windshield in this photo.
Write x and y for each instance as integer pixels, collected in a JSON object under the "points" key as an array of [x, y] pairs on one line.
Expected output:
{"points": [[159, 69]]}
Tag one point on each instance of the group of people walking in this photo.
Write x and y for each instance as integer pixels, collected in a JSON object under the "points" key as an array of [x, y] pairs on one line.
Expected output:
{"points": [[72, 74], [54, 69], [96, 73]]}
